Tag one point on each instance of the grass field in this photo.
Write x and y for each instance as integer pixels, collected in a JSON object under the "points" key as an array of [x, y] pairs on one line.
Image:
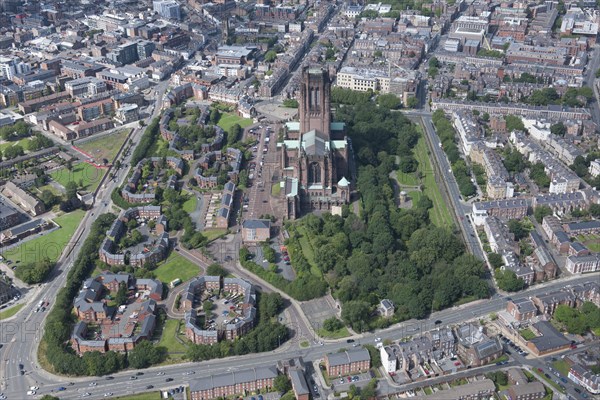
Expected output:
{"points": [[169, 340], [50, 245], [11, 311], [88, 174], [561, 366], [212, 234], [439, 214], [190, 205], [340, 333], [22, 143], [228, 120], [176, 267], [106, 146], [592, 242], [409, 179], [527, 334], [275, 189], [308, 251], [51, 188]]}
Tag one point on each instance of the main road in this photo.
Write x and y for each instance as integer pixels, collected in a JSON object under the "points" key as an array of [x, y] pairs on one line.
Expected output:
{"points": [[21, 334]]}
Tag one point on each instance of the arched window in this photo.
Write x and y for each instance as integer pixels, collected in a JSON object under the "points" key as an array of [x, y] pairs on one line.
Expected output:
{"points": [[314, 173]]}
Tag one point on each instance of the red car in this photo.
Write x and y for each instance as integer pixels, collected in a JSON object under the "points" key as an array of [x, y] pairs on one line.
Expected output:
{"points": [[349, 379], [457, 363]]}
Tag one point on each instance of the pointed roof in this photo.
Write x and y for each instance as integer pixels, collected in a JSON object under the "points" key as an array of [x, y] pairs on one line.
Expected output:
{"points": [[343, 182], [314, 143]]}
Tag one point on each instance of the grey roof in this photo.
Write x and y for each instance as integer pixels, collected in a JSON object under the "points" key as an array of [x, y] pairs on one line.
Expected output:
{"points": [[232, 378], [527, 389], [314, 143], [256, 224], [349, 356], [27, 226], [578, 246], [229, 187], [525, 305], [562, 237], [573, 226], [488, 347], [550, 338], [543, 256], [508, 203], [299, 382]]}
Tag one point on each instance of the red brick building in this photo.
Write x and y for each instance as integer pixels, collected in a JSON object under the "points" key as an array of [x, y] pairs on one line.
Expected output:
{"points": [[347, 362]]}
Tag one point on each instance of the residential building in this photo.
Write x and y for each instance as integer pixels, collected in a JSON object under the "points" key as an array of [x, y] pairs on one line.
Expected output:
{"points": [[256, 230], [23, 199], [125, 53], [386, 308], [482, 389], [586, 378], [595, 167], [168, 9], [527, 391], [9, 216], [547, 303], [505, 209], [474, 347], [347, 362], [521, 309], [584, 263], [233, 383], [547, 339]]}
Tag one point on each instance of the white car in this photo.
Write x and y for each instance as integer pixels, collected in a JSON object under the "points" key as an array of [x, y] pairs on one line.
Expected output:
{"points": [[160, 373], [34, 388], [93, 383], [86, 394], [109, 394], [31, 393]]}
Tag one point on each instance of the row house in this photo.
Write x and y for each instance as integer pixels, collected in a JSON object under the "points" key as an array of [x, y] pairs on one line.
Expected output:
{"points": [[521, 309], [347, 362], [233, 383], [583, 264], [505, 209]]}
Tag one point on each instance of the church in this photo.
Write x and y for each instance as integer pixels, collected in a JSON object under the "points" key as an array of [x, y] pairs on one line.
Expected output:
{"points": [[316, 155]]}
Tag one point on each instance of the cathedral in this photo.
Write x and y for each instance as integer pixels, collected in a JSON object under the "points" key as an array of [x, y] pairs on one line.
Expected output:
{"points": [[316, 155]]}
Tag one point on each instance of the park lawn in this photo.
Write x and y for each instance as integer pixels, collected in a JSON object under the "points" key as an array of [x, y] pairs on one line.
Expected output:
{"points": [[169, 338], [11, 311], [213, 234], [527, 334], [340, 333], [174, 267], [190, 204], [227, 120], [105, 147], [275, 189], [415, 196], [409, 179], [308, 251], [51, 188], [561, 366], [439, 214], [90, 175], [141, 396], [50, 245], [21, 142]]}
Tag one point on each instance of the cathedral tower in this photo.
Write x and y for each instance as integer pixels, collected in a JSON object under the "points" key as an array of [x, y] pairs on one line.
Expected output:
{"points": [[315, 103]]}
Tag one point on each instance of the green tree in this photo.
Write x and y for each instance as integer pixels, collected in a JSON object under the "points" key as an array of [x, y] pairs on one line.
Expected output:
{"points": [[207, 306], [517, 228], [514, 123], [215, 116], [434, 62], [558, 129], [389, 101], [233, 134], [412, 102], [332, 324], [216, 270], [49, 397], [282, 384], [595, 210], [356, 314], [34, 272], [540, 212], [146, 354], [71, 190], [290, 103], [268, 253], [507, 280], [270, 56], [495, 260], [121, 297]]}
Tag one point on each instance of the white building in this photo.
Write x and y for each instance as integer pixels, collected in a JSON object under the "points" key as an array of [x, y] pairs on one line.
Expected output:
{"points": [[11, 66], [389, 360], [167, 8], [595, 167]]}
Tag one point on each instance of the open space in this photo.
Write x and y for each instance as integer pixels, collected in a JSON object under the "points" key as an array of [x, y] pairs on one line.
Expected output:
{"points": [[50, 245], [176, 267], [169, 339], [105, 147], [229, 119], [212, 234], [11, 311], [439, 214], [592, 242], [527, 334], [561, 366], [340, 333], [89, 175], [307, 250], [409, 179], [190, 205], [6, 144]]}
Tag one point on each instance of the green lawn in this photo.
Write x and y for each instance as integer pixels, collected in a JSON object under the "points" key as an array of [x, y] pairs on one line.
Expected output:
{"points": [[51, 188], [275, 189], [169, 340], [105, 147], [527, 334], [404, 178], [439, 214], [229, 119], [88, 174], [22, 143], [50, 245], [11, 311], [190, 205], [141, 396], [175, 267], [561, 366], [213, 234], [340, 333], [307, 250], [592, 242]]}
